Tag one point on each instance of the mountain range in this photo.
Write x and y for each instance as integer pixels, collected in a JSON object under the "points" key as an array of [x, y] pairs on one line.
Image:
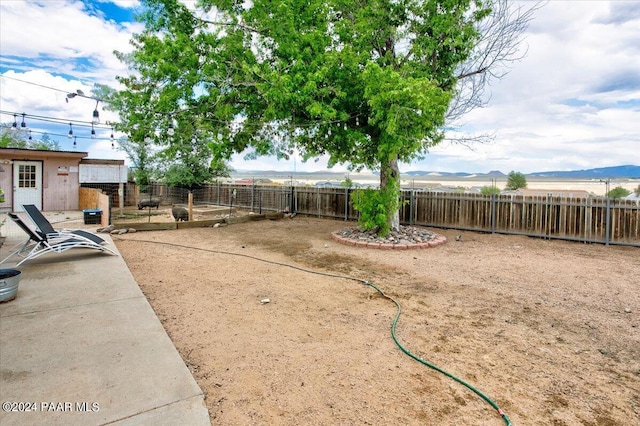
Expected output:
{"points": [[626, 171], [617, 172]]}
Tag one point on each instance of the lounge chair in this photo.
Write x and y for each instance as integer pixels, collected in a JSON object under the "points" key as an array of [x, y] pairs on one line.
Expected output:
{"points": [[44, 226], [40, 243]]}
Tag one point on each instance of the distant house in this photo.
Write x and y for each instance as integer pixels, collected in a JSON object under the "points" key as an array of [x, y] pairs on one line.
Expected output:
{"points": [[327, 184], [438, 188], [248, 181], [557, 193], [51, 179], [474, 190], [420, 186], [243, 182]]}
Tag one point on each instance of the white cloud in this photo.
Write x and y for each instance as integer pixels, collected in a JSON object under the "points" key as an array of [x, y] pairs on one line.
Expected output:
{"points": [[62, 37], [562, 106], [125, 4]]}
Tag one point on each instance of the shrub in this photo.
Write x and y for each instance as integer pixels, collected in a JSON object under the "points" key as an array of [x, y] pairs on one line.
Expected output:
{"points": [[516, 180], [375, 207], [618, 192], [490, 190]]}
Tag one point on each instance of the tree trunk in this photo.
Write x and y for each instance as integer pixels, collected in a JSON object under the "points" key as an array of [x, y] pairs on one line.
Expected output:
{"points": [[390, 179]]}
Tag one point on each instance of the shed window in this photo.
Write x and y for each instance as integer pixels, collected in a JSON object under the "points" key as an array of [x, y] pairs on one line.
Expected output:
{"points": [[27, 176]]}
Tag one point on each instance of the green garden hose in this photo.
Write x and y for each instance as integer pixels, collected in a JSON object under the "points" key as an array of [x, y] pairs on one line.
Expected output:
{"points": [[370, 284], [435, 367]]}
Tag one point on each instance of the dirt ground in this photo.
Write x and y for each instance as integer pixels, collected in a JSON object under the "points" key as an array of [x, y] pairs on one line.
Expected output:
{"points": [[548, 330]]}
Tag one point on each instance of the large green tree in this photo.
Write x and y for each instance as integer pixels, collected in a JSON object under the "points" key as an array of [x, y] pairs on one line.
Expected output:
{"points": [[516, 180], [370, 84], [189, 164]]}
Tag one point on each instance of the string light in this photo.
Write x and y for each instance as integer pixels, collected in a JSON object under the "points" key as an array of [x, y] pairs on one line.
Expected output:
{"points": [[50, 134], [54, 120], [96, 115], [58, 121], [171, 125], [74, 142]]}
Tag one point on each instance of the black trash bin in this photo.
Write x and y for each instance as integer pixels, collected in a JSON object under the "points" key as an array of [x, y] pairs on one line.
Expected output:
{"points": [[92, 216]]}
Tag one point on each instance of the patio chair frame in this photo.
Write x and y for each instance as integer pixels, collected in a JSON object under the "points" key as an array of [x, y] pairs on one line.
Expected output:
{"points": [[39, 243], [43, 225]]}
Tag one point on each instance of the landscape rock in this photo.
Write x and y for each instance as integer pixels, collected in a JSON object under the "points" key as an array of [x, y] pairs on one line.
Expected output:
{"points": [[406, 235], [106, 229]]}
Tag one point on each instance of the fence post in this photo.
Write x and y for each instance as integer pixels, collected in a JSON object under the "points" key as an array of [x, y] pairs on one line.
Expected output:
{"points": [[218, 203], [411, 208], [253, 188], [607, 234], [493, 213], [121, 197], [346, 203], [292, 206]]}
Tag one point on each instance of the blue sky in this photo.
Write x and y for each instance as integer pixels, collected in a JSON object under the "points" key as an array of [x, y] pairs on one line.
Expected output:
{"points": [[573, 102]]}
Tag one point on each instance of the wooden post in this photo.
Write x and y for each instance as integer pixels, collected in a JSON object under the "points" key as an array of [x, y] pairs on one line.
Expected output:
{"points": [[190, 206], [121, 197]]}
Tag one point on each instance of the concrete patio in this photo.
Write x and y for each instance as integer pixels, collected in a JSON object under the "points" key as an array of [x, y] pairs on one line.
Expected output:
{"points": [[80, 345]]}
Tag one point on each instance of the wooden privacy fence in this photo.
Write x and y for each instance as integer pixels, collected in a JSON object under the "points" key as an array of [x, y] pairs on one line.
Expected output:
{"points": [[594, 220]]}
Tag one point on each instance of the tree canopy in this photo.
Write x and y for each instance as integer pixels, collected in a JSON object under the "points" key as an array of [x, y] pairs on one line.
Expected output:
{"points": [[369, 84], [618, 192], [516, 180]]}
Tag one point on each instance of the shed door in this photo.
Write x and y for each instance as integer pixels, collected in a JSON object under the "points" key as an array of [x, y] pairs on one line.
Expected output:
{"points": [[27, 184]]}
